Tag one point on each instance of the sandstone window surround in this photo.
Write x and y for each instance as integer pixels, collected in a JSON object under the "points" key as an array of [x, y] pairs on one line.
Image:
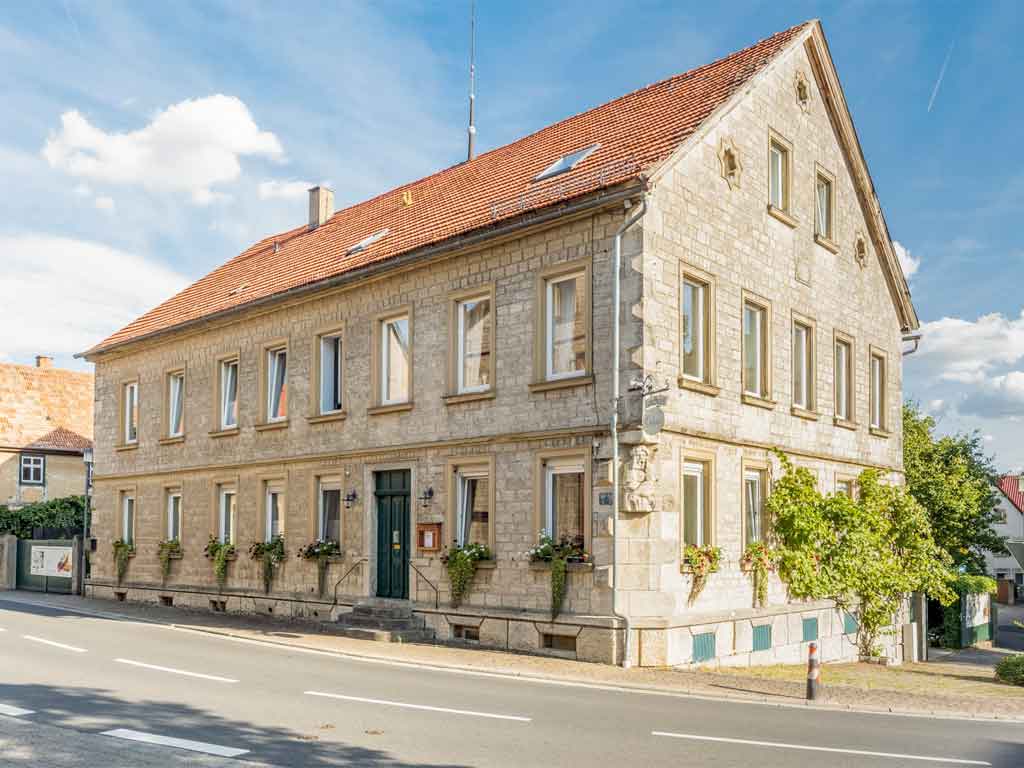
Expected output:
{"points": [[697, 493], [328, 399], [225, 395], [824, 209], [274, 500], [128, 516], [804, 365], [32, 469], [697, 336], [129, 414], [274, 385], [845, 376], [173, 415], [846, 485], [227, 511], [562, 344], [562, 494], [755, 332], [327, 524], [780, 176], [472, 344], [878, 395], [755, 490], [392, 361], [471, 505], [172, 522]]}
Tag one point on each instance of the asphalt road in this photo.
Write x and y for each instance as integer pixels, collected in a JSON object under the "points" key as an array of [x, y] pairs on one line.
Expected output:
{"points": [[79, 677]]}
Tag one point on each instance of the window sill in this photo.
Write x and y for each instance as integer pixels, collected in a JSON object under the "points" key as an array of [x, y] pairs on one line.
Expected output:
{"points": [[699, 386], [844, 423], [393, 408], [171, 440], [826, 243], [268, 426], [802, 413], [781, 215], [759, 402], [176, 556], [879, 432], [566, 383], [468, 397], [326, 418], [229, 432], [545, 565], [126, 447]]}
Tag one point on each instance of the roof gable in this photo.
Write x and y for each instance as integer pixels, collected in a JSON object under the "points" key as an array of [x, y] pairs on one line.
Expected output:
{"points": [[1010, 486], [636, 132], [45, 408]]}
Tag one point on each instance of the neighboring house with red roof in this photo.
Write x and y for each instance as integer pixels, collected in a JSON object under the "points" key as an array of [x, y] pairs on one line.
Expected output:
{"points": [[46, 417], [434, 368], [1011, 525]]}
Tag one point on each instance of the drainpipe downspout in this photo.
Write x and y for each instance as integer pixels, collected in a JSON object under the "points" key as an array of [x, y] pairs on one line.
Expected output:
{"points": [[915, 337], [614, 427]]}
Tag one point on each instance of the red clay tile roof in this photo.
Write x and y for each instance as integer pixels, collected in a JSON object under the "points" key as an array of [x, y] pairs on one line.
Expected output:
{"points": [[60, 439], [1010, 487], [636, 132], [45, 408]]}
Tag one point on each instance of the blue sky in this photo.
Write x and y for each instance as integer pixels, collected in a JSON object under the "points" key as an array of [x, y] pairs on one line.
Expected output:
{"points": [[145, 143]]}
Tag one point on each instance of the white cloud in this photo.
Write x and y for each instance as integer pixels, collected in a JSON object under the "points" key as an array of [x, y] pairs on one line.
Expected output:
{"points": [[189, 147], [283, 190], [61, 295], [104, 203], [83, 190], [967, 351], [998, 397], [907, 261]]}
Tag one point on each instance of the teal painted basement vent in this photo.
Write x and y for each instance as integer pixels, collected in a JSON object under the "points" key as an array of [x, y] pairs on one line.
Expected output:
{"points": [[810, 629], [704, 647], [850, 625], [763, 637]]}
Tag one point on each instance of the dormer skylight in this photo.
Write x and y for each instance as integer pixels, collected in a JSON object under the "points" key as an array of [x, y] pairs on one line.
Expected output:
{"points": [[365, 243], [566, 162]]}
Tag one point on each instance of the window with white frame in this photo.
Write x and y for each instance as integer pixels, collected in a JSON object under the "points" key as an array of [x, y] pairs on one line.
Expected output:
{"points": [[472, 506], [130, 412], [328, 524], [330, 373], [176, 404], [473, 345], [754, 345], [226, 507], [395, 360], [844, 380], [696, 515], [228, 394], [823, 206], [803, 366], [845, 487], [754, 482], [273, 504], [174, 515], [565, 326], [695, 330], [565, 499], [128, 518], [877, 394], [778, 175], [33, 470], [277, 384]]}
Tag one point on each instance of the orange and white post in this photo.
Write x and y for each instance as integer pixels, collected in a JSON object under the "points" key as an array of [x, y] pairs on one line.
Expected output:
{"points": [[813, 672]]}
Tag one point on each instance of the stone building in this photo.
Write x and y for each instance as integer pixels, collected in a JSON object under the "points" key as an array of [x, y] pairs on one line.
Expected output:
{"points": [[435, 366], [1010, 524], [46, 419]]}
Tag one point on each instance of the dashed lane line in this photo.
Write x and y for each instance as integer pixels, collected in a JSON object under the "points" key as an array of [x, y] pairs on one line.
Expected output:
{"points": [[35, 639], [6, 709], [174, 671], [170, 741], [405, 705]]}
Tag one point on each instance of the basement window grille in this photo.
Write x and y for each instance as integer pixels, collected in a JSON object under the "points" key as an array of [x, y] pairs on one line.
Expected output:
{"points": [[559, 642], [465, 633]]}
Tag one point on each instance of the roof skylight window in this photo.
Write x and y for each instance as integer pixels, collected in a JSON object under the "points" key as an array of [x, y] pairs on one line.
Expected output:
{"points": [[566, 162], [365, 243]]}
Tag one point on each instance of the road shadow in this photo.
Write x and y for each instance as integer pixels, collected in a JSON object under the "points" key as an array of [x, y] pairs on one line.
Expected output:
{"points": [[66, 706]]}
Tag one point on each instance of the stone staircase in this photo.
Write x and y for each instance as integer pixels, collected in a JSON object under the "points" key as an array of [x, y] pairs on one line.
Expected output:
{"points": [[384, 621]]}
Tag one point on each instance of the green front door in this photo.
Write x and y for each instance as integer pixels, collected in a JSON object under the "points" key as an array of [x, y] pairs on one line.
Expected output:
{"points": [[392, 491]]}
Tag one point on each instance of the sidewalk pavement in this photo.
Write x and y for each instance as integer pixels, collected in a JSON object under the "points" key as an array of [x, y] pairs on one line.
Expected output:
{"points": [[951, 688]]}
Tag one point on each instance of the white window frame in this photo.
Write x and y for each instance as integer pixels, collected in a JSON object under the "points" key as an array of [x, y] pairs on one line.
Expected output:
{"points": [[130, 395], [803, 365], [336, 345], [271, 491], [758, 477], [275, 355], [385, 359], [780, 200], [328, 484], [460, 341], [176, 404], [762, 314], [229, 407], [823, 218], [561, 467], [173, 531], [32, 462], [549, 325], [843, 404], [461, 477], [876, 390], [698, 470], [700, 332], [128, 518], [226, 514]]}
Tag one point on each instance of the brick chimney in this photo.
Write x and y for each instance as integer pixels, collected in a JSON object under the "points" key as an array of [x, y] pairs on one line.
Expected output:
{"points": [[42, 361], [321, 206]]}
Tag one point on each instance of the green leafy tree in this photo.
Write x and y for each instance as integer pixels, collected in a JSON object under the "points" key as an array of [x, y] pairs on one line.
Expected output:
{"points": [[951, 477], [866, 554], [65, 512]]}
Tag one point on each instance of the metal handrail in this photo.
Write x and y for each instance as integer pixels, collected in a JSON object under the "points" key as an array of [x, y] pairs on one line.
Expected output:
{"points": [[437, 594], [349, 571]]}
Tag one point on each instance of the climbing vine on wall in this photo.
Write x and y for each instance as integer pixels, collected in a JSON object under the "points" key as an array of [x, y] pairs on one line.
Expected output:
{"points": [[122, 552], [221, 553], [166, 552], [270, 554]]}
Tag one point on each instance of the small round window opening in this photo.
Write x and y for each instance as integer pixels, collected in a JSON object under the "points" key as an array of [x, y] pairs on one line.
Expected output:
{"points": [[729, 158], [803, 91]]}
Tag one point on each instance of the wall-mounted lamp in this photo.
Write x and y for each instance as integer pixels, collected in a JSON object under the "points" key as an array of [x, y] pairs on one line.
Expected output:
{"points": [[351, 498], [426, 497]]}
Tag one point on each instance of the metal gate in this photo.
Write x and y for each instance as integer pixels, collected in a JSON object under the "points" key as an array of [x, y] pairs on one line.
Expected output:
{"points": [[46, 565]]}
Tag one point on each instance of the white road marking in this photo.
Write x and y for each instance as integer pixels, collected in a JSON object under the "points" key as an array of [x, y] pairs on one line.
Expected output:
{"points": [[807, 747], [14, 711], [174, 671], [170, 741], [35, 639], [402, 704]]}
